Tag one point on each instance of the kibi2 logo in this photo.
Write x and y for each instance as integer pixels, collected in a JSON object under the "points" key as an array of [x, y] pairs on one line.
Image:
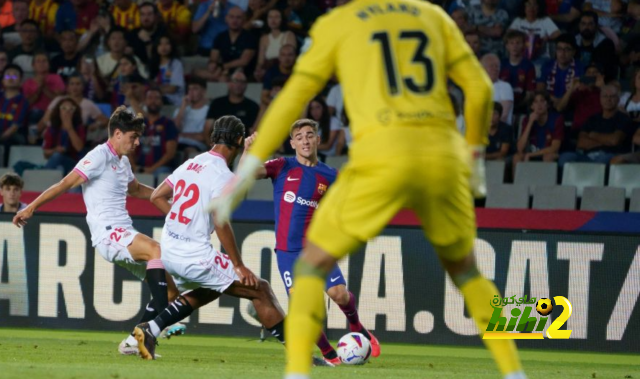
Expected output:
{"points": [[522, 321]]}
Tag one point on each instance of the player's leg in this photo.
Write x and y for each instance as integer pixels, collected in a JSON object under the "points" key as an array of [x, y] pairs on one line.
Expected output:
{"points": [[448, 219], [143, 248], [286, 262], [367, 198]]}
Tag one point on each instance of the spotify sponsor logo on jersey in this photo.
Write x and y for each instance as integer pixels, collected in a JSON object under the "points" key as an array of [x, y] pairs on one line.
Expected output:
{"points": [[290, 197]]}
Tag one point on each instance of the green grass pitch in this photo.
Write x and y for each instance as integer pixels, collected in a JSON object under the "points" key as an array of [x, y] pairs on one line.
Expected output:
{"points": [[40, 353]]}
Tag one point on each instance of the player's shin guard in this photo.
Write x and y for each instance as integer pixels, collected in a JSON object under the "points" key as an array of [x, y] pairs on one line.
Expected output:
{"points": [[277, 331], [178, 310], [306, 317], [477, 293], [157, 281]]}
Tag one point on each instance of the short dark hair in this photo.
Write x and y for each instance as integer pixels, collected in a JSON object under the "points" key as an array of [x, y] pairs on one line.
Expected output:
{"points": [[115, 29], [591, 14], [197, 82], [568, 39], [227, 130], [513, 34], [545, 95], [13, 66], [153, 88], [542, 9], [299, 124], [149, 4], [125, 121], [11, 179], [31, 22]]}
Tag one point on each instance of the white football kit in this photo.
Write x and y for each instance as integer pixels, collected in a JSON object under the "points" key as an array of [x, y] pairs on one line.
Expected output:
{"points": [[107, 178], [187, 252]]}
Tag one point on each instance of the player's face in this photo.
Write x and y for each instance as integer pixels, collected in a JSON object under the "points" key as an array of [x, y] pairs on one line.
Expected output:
{"points": [[11, 195], [305, 142], [128, 142]]}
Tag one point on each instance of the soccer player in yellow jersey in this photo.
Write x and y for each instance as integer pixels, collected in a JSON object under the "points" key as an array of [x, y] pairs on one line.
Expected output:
{"points": [[44, 13], [393, 59]]}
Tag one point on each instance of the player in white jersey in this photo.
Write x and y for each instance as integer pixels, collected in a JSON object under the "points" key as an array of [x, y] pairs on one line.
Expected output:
{"points": [[202, 273], [106, 178]]}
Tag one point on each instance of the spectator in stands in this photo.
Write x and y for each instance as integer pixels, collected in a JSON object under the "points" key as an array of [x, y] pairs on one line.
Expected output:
{"points": [[272, 42], [564, 12], [93, 40], [11, 186], [127, 67], [256, 17], [11, 34], [461, 18], [542, 134], [502, 91], [66, 64], [610, 12], [14, 109], [500, 136], [335, 101], [95, 87], [630, 101], [134, 88], [301, 15], [473, 39], [604, 135], [234, 104], [190, 118], [209, 22], [165, 69], [558, 74], [4, 61], [329, 128], [44, 13], [490, 23], [176, 17], [76, 15], [108, 62], [232, 49], [42, 88], [22, 55], [538, 27], [64, 138], [159, 143], [594, 47], [94, 120], [276, 87], [6, 13], [518, 71], [151, 28], [287, 58], [631, 29], [583, 100], [125, 14], [631, 157]]}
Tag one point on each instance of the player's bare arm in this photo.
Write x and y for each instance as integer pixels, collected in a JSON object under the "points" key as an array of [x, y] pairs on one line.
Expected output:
{"points": [[228, 240], [261, 172], [72, 180], [161, 196], [139, 190]]}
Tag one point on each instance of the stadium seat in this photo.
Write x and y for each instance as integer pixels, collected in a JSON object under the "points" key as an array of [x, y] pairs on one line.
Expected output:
{"points": [[337, 162], [583, 175], [162, 177], [254, 92], [508, 196], [105, 108], [625, 176], [4, 170], [603, 199], [215, 90], [147, 179], [532, 174], [554, 197], [40, 180], [635, 201], [31, 154], [193, 63], [261, 190], [495, 172]]}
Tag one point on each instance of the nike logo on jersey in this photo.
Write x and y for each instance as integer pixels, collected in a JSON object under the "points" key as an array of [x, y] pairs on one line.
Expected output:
{"points": [[334, 279], [290, 179]]}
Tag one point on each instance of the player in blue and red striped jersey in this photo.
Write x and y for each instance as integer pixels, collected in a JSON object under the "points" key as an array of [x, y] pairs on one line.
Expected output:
{"points": [[14, 109], [299, 183], [159, 142]]}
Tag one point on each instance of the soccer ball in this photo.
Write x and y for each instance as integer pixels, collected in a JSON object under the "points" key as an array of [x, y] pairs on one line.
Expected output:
{"points": [[354, 349], [544, 306]]}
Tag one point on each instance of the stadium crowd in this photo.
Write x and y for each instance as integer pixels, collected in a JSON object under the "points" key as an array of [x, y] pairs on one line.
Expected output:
{"points": [[565, 72]]}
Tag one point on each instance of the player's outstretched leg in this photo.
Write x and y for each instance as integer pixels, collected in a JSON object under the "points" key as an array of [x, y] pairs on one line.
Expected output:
{"points": [[347, 303], [306, 309], [477, 291]]}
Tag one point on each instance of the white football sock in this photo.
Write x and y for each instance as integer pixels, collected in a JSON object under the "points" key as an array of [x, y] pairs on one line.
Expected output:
{"points": [[131, 341], [155, 329]]}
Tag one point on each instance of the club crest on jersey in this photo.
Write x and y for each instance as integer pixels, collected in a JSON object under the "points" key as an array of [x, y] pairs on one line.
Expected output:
{"points": [[322, 188]]}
